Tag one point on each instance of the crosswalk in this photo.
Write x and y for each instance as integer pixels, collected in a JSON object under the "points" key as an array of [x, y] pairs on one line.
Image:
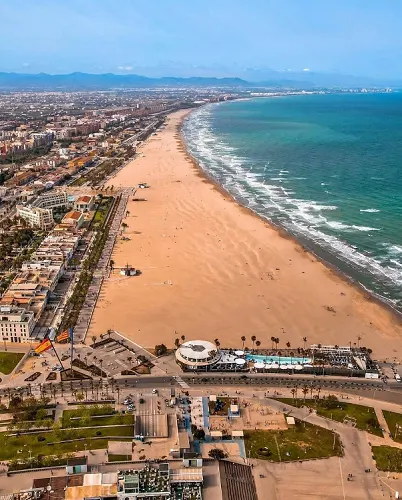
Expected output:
{"points": [[181, 382]]}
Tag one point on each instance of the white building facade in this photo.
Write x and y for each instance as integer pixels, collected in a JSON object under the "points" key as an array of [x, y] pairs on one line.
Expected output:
{"points": [[16, 324]]}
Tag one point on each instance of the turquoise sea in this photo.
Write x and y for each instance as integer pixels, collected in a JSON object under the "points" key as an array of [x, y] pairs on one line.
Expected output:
{"points": [[327, 168]]}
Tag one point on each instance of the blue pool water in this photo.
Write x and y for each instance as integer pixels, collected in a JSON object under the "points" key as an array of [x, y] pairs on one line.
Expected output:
{"points": [[282, 360]]}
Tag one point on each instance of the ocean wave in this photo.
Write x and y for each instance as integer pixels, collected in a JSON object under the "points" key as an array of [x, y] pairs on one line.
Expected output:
{"points": [[272, 201], [365, 228], [370, 210]]}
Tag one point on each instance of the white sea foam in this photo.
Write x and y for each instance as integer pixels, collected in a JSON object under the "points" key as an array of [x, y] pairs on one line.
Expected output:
{"points": [[370, 210], [300, 216], [323, 207], [365, 228]]}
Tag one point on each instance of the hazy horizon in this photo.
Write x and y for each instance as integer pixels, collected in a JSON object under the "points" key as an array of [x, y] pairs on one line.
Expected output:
{"points": [[224, 39]]}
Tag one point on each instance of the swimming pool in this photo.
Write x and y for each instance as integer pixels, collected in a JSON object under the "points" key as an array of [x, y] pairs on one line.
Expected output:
{"points": [[282, 360]]}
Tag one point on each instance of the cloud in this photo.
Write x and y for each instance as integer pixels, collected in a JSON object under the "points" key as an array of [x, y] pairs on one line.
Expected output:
{"points": [[306, 69], [125, 68], [25, 64]]}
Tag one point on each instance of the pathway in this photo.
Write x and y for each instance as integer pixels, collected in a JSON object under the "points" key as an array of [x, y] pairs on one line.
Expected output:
{"points": [[357, 452]]}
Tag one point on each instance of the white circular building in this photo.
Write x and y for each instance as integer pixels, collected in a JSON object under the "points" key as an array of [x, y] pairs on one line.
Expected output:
{"points": [[197, 355]]}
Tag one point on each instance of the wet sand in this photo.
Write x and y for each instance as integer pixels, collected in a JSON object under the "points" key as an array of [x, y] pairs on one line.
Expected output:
{"points": [[212, 270]]}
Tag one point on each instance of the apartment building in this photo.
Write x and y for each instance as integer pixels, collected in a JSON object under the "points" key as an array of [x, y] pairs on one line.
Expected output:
{"points": [[44, 265], [57, 247], [36, 217], [16, 324], [29, 296], [21, 178], [44, 276], [51, 199]]}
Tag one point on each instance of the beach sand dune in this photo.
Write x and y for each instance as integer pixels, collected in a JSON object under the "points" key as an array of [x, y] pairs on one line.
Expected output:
{"points": [[212, 270]]}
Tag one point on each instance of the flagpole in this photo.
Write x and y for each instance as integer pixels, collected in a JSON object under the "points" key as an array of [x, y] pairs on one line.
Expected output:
{"points": [[54, 349]]}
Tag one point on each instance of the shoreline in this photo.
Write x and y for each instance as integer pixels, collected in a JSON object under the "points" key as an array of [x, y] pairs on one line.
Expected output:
{"points": [[213, 269], [304, 243]]}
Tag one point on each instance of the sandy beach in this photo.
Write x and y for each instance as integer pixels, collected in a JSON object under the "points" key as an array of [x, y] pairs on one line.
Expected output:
{"points": [[212, 270]]}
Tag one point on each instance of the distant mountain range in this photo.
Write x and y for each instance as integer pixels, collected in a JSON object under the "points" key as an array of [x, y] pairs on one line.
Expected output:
{"points": [[87, 81]]}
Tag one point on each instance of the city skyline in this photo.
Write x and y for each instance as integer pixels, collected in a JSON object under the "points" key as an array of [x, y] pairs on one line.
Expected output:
{"points": [[198, 39]]}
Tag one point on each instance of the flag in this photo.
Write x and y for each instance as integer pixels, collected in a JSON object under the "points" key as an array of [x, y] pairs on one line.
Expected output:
{"points": [[63, 336], [43, 346]]}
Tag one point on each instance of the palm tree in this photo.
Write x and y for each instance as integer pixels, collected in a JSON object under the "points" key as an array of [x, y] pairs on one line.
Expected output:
{"points": [[294, 392], [358, 341], [318, 392], [110, 331], [253, 339], [183, 338], [217, 343], [111, 264], [243, 339], [305, 392], [288, 345], [258, 343], [276, 342], [273, 341], [177, 342], [93, 339]]}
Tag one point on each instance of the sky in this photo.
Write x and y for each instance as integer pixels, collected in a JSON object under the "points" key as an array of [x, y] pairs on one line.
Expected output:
{"points": [[245, 38]]}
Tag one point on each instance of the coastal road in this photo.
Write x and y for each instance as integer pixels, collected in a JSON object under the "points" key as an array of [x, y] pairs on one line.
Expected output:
{"points": [[361, 388]]}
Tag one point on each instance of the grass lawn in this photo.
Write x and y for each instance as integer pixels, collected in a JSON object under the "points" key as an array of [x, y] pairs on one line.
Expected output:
{"points": [[87, 411], [118, 458], [394, 421], [101, 212], [17, 446], [300, 442], [388, 458], [366, 419], [9, 360], [117, 419]]}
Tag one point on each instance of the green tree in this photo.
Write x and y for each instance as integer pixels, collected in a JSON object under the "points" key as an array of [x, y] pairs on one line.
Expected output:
{"points": [[160, 350], [217, 454], [57, 430]]}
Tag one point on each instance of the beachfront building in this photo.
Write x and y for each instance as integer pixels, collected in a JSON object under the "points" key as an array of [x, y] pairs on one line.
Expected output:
{"points": [[84, 203], [201, 355], [51, 199], [197, 355], [16, 324], [36, 217]]}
